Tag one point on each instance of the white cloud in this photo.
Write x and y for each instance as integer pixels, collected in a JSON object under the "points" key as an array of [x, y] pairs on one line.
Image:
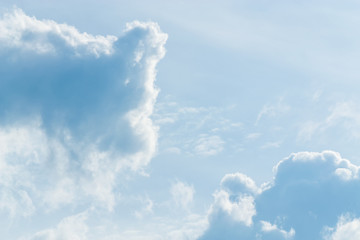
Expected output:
{"points": [[27, 33], [69, 125], [21, 149], [182, 194], [189, 228], [346, 229], [342, 115], [269, 228], [317, 95], [272, 110], [174, 150], [307, 130], [73, 227], [146, 209], [180, 124], [63, 193], [253, 136], [238, 183], [209, 145], [240, 209], [309, 192], [275, 144]]}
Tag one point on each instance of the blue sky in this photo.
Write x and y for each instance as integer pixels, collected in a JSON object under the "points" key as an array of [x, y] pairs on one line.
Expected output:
{"points": [[179, 120]]}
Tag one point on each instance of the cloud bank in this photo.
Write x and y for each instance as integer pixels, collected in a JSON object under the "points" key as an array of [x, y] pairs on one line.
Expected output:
{"points": [[312, 196], [74, 112]]}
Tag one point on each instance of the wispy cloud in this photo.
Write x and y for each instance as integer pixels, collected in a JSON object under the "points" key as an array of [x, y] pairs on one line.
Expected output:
{"points": [[209, 145], [272, 110], [182, 194], [342, 115], [275, 144]]}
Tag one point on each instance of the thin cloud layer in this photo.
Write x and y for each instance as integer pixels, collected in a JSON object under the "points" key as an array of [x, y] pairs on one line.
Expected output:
{"points": [[312, 196], [74, 112], [182, 194], [73, 227]]}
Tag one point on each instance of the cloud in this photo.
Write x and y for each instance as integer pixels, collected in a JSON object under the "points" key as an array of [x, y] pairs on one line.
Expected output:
{"points": [[173, 228], [307, 199], [147, 207], [180, 124], [182, 194], [272, 231], [238, 183], [73, 227], [209, 145], [346, 228], [342, 115], [75, 122], [28, 34], [267, 145], [240, 209], [74, 111], [272, 110], [253, 136]]}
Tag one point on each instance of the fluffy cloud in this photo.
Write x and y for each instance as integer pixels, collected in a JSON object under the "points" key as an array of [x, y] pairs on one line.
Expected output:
{"points": [[307, 199], [74, 111], [346, 228]]}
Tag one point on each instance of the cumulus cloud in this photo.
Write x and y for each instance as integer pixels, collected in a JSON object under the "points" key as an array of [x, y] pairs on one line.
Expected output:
{"points": [[240, 209], [307, 199], [347, 228], [74, 111], [238, 183]]}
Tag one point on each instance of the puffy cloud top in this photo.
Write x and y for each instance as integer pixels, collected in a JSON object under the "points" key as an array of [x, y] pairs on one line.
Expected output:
{"points": [[238, 183], [74, 112], [26, 33], [309, 198]]}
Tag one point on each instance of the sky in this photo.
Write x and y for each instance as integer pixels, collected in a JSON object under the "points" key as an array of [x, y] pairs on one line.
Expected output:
{"points": [[181, 120]]}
